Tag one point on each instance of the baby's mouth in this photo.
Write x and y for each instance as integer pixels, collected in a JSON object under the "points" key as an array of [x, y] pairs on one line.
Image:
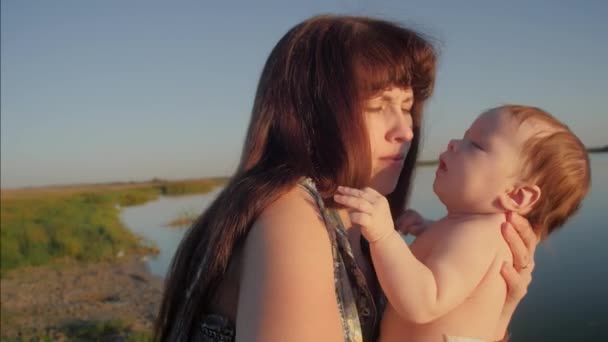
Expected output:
{"points": [[442, 165]]}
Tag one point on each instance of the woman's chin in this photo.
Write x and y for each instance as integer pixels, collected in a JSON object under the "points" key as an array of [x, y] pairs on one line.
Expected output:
{"points": [[385, 186], [385, 181]]}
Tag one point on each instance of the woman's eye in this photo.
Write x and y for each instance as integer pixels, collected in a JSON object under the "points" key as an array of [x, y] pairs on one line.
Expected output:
{"points": [[374, 109], [476, 145]]}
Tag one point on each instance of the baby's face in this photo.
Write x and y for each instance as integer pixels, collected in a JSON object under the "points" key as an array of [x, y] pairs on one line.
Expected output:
{"points": [[485, 163]]}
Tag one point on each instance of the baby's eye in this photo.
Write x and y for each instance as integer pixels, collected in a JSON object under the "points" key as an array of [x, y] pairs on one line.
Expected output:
{"points": [[476, 145]]}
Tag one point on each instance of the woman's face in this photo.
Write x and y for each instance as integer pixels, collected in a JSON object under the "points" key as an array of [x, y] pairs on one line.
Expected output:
{"points": [[390, 129]]}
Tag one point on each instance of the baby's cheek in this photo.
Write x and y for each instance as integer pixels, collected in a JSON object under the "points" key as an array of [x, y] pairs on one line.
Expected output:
{"points": [[478, 188]]}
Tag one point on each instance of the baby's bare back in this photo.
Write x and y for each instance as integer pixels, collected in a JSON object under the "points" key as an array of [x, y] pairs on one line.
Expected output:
{"points": [[478, 316]]}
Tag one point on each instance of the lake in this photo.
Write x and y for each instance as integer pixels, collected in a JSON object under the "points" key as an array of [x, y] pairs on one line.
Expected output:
{"points": [[567, 300]]}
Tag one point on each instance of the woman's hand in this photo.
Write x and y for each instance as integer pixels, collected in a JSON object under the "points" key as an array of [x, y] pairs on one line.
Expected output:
{"points": [[522, 241], [411, 222]]}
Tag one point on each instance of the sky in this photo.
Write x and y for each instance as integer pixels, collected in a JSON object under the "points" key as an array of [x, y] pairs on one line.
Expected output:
{"points": [[103, 91]]}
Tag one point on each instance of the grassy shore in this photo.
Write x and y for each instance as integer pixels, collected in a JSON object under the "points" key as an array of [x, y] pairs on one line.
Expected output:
{"points": [[598, 149], [50, 225], [183, 219], [104, 330], [427, 162]]}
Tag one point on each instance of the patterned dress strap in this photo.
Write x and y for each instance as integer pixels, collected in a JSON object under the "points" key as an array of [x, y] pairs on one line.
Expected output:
{"points": [[345, 296]]}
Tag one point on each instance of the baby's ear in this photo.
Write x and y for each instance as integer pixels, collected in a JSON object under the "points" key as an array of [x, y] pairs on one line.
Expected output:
{"points": [[521, 198]]}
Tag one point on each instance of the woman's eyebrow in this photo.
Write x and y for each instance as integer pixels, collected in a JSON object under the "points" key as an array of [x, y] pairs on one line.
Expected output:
{"points": [[387, 98]]}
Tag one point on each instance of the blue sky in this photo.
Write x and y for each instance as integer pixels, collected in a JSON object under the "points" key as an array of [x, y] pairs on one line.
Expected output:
{"points": [[129, 90]]}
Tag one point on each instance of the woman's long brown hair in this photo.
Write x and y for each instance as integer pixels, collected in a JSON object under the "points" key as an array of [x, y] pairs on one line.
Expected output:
{"points": [[306, 122]]}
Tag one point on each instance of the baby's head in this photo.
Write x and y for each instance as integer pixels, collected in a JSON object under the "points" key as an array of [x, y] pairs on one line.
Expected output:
{"points": [[515, 158]]}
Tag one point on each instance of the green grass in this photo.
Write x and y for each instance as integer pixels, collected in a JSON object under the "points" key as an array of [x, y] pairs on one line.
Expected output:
{"points": [[427, 162], [109, 330], [184, 219], [104, 330], [190, 186], [85, 227], [42, 227]]}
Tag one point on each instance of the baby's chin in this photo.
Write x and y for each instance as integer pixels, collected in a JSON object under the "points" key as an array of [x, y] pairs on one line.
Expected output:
{"points": [[439, 191], [443, 198], [454, 203]]}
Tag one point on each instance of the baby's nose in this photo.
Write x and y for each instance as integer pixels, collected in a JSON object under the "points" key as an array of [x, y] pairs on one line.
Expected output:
{"points": [[451, 145]]}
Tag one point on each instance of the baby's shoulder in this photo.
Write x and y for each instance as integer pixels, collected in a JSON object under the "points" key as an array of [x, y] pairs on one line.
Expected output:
{"points": [[487, 226], [486, 220], [452, 234]]}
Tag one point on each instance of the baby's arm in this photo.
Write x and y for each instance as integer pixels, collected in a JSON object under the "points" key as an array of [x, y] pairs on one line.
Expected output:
{"points": [[411, 222], [421, 292]]}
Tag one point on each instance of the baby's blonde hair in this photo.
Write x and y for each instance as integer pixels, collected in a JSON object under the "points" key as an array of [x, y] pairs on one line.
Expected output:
{"points": [[558, 163]]}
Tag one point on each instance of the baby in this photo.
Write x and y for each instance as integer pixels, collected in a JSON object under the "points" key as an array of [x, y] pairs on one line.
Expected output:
{"points": [[447, 285]]}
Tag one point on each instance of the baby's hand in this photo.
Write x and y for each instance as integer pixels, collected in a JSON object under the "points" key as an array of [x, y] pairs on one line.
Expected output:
{"points": [[411, 222], [370, 210]]}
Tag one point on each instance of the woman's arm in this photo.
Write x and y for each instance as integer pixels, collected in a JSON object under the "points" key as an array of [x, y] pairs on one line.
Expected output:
{"points": [[287, 288], [522, 241]]}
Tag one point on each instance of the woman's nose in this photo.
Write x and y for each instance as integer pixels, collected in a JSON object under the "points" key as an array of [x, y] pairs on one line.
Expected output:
{"points": [[401, 133], [406, 133], [402, 130]]}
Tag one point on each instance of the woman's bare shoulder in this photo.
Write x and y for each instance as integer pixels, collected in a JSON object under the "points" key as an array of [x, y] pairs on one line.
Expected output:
{"points": [[292, 226], [287, 264], [294, 210]]}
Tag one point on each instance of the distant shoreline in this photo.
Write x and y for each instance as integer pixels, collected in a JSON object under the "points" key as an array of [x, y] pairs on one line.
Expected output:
{"points": [[167, 187], [427, 162], [601, 149], [590, 150], [155, 182]]}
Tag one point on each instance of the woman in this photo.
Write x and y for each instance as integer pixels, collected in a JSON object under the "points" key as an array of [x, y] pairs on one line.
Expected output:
{"points": [[273, 258]]}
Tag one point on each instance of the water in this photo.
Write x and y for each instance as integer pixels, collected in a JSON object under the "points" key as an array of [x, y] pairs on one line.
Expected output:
{"points": [[150, 221], [567, 300]]}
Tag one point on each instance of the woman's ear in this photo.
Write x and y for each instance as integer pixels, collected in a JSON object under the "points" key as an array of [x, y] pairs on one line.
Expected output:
{"points": [[521, 198]]}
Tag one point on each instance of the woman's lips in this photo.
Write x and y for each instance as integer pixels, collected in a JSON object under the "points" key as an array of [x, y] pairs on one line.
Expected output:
{"points": [[393, 158], [394, 161]]}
